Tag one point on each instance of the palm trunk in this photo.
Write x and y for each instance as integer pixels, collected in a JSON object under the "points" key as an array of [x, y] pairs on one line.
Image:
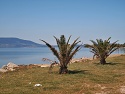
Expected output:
{"points": [[63, 70], [102, 61]]}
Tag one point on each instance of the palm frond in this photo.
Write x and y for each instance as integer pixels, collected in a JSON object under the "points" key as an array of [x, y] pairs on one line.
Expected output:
{"points": [[68, 40], [108, 38], [113, 50], [73, 53], [72, 46], [102, 49], [58, 42], [94, 43], [52, 65], [88, 46], [55, 52]]}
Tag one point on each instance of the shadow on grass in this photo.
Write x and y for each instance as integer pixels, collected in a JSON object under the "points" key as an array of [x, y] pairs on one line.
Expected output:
{"points": [[108, 63], [77, 71], [112, 63]]}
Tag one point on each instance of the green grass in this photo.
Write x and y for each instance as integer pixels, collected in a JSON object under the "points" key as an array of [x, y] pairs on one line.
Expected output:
{"points": [[84, 78]]}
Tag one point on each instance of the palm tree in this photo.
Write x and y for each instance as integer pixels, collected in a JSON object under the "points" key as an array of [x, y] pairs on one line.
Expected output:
{"points": [[65, 51], [102, 49]]}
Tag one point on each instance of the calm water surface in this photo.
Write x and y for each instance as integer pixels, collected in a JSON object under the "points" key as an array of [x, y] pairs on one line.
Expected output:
{"points": [[35, 55]]}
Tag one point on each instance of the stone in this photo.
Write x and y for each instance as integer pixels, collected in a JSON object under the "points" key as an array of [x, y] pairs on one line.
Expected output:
{"points": [[37, 85], [4, 67], [11, 66], [122, 89], [3, 70]]}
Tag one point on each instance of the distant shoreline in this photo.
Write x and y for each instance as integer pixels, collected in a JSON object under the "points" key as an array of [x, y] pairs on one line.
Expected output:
{"points": [[12, 66], [82, 59]]}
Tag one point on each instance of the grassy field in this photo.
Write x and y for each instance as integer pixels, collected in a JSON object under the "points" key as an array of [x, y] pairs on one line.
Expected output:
{"points": [[84, 78]]}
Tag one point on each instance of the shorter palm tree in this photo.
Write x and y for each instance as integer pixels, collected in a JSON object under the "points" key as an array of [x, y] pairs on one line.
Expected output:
{"points": [[102, 49], [65, 51]]}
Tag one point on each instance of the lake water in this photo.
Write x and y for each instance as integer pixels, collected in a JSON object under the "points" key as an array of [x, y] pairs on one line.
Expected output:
{"points": [[35, 55]]}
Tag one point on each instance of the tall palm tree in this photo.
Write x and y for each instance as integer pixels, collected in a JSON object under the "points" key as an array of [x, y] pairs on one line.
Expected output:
{"points": [[65, 51], [102, 49]]}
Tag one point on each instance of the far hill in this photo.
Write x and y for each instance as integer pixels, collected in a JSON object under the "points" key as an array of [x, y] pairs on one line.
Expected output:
{"points": [[17, 43]]}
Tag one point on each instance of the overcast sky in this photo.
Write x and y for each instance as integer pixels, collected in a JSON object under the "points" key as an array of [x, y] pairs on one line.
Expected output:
{"points": [[43, 19]]}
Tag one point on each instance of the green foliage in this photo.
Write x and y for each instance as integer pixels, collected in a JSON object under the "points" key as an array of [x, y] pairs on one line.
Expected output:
{"points": [[122, 45], [66, 51], [102, 49]]}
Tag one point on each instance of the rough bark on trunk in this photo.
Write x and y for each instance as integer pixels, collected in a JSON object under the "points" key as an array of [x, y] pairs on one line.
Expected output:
{"points": [[63, 70], [102, 61]]}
